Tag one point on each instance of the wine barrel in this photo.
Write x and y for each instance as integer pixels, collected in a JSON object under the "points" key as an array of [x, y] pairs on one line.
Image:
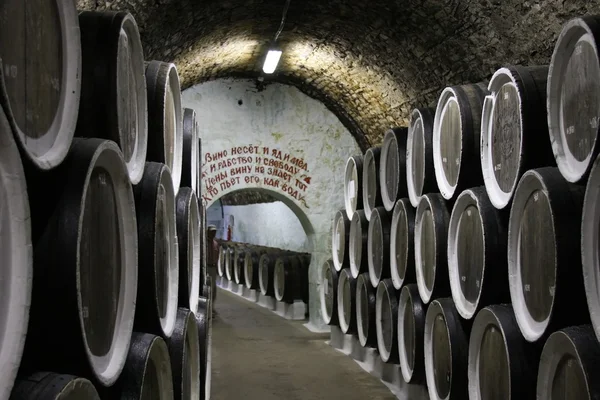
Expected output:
{"points": [[446, 351], [184, 352], [290, 279], [359, 244], [514, 130], [188, 238], [238, 265], [346, 301], [544, 259], [456, 138], [353, 185], [221, 260], [16, 265], [40, 49], [477, 267], [386, 321], [371, 193], [379, 245], [411, 330], [85, 264], [365, 311], [340, 241], [199, 168], [573, 101], [204, 323], [266, 267], [329, 285], [251, 268], [392, 167], [431, 235], [229, 264], [156, 307], [165, 131], [402, 250], [113, 103], [420, 170], [569, 365], [52, 386], [203, 243], [502, 364], [190, 157]]}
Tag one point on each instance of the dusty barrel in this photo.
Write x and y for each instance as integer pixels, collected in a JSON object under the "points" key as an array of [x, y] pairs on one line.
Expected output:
{"points": [[113, 104], [340, 241], [40, 50], [204, 323], [456, 138], [402, 244], [544, 259], [502, 364], [165, 117], [156, 307], [329, 285], [569, 365], [191, 156], [188, 238], [85, 264], [290, 278], [359, 244], [431, 235], [346, 301], [365, 311], [446, 351], [378, 249], [52, 386], [353, 185], [370, 181], [411, 330], [239, 256], [590, 237], [420, 170], [514, 130], [477, 268], [392, 167], [386, 321], [251, 269], [184, 352], [573, 101]]}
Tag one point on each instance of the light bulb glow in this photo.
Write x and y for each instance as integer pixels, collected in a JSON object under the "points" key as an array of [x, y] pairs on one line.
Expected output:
{"points": [[271, 61]]}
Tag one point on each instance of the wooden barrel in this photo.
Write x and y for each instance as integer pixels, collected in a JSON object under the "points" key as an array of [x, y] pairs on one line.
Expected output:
{"points": [[353, 185], [328, 292], [85, 264], [340, 241], [251, 267], [514, 130], [290, 279], [165, 119], [569, 365], [378, 249], [431, 235], [544, 258], [446, 351], [204, 323], [16, 267], [371, 193], [420, 170], [229, 264], [52, 386], [477, 267], [156, 307], [392, 167], [456, 138], [238, 264], [188, 238], [359, 244], [590, 237], [502, 364], [386, 321], [346, 301], [203, 242], [411, 330], [221, 260], [191, 156], [113, 103], [365, 311], [573, 101], [402, 249], [266, 267], [184, 352], [40, 49], [199, 172]]}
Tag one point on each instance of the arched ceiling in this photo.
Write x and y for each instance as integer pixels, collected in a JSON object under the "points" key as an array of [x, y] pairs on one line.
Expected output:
{"points": [[370, 61]]}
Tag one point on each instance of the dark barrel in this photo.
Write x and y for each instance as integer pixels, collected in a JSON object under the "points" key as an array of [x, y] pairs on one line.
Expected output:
{"points": [[188, 239], [329, 285], [191, 155], [544, 254], [514, 130], [477, 267], [502, 364], [204, 323], [184, 352], [340, 241], [456, 138], [365, 311], [113, 104], [402, 244], [411, 330], [266, 267], [573, 101], [353, 185], [229, 263], [346, 301], [379, 245], [386, 321], [290, 278], [52, 386], [40, 49], [239, 257], [420, 170], [359, 244], [431, 234], [370, 188], [251, 269], [223, 250], [392, 167]]}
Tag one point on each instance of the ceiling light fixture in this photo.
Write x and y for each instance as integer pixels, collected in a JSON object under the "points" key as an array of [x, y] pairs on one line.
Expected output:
{"points": [[274, 54]]}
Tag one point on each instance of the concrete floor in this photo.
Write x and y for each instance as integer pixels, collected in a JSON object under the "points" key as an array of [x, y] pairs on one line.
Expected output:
{"points": [[258, 355]]}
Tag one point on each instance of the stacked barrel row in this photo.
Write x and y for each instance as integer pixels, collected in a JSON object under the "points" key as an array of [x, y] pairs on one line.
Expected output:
{"points": [[470, 238], [102, 292]]}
